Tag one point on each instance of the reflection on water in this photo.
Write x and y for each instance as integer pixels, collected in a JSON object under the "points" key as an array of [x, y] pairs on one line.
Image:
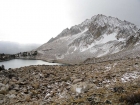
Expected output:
{"points": [[16, 63]]}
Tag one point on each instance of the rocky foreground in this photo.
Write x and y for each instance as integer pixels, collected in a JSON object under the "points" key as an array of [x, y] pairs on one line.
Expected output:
{"points": [[111, 82]]}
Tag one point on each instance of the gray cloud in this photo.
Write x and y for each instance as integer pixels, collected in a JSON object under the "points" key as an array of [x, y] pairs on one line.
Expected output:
{"points": [[39, 20], [122, 9]]}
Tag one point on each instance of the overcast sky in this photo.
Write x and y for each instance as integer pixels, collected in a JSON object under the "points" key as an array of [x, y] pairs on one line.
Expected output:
{"points": [[36, 21]]}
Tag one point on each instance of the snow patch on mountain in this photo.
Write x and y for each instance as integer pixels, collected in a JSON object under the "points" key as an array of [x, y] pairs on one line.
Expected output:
{"points": [[102, 42], [106, 38]]}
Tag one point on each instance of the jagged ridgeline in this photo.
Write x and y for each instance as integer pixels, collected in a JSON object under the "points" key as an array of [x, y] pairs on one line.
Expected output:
{"points": [[101, 38]]}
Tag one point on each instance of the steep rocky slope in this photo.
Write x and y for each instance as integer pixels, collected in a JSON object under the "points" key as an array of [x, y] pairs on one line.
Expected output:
{"points": [[97, 37]]}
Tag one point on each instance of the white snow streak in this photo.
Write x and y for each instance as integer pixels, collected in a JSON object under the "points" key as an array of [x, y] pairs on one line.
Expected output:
{"points": [[130, 76], [78, 90], [104, 39]]}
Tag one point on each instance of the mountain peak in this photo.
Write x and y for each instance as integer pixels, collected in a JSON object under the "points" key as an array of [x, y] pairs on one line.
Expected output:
{"points": [[96, 37]]}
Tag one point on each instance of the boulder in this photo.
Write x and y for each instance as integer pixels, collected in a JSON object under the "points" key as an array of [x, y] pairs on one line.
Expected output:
{"points": [[35, 85], [4, 100], [4, 88], [2, 67], [27, 97], [76, 80], [82, 87]]}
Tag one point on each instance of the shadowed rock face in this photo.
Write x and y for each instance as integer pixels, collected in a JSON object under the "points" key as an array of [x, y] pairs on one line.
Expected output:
{"points": [[2, 67], [100, 36]]}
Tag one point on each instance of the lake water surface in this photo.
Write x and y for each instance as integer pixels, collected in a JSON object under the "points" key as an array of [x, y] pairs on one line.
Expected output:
{"points": [[16, 63]]}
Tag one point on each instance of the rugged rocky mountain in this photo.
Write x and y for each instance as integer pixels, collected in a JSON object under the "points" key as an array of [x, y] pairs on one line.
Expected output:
{"points": [[98, 37]]}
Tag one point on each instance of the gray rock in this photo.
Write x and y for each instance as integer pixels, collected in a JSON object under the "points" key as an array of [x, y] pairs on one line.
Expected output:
{"points": [[77, 80], [82, 87], [4, 100], [3, 88], [137, 104]]}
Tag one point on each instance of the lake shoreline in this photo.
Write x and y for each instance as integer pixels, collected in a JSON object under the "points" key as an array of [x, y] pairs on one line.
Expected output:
{"points": [[5, 60], [17, 63]]}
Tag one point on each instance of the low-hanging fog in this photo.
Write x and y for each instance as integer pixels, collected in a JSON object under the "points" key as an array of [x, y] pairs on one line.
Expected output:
{"points": [[13, 47]]}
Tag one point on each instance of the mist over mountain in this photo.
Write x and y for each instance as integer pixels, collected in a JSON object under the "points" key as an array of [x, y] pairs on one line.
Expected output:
{"points": [[14, 47], [98, 37]]}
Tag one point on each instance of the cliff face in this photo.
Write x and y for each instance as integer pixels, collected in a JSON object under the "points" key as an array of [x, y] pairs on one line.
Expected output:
{"points": [[98, 37]]}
